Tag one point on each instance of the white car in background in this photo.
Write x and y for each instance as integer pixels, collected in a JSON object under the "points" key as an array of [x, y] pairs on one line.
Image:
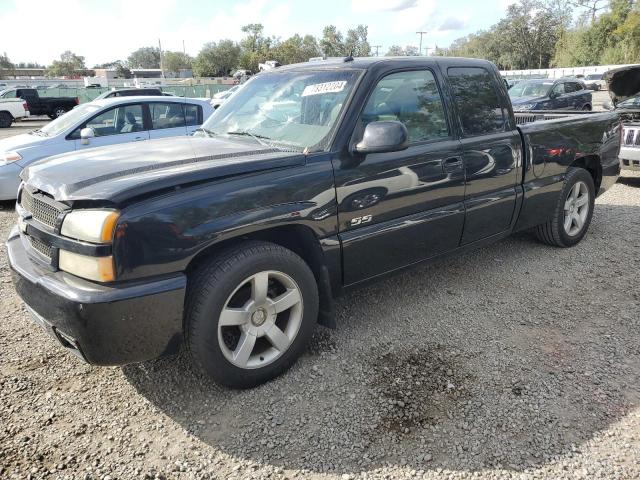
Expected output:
{"points": [[97, 124], [221, 97], [12, 109]]}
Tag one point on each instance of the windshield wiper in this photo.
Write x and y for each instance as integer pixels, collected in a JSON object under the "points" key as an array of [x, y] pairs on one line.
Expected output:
{"points": [[209, 133], [257, 138]]}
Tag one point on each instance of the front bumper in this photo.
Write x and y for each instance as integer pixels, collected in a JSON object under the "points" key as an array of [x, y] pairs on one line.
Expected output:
{"points": [[102, 324], [630, 158], [9, 181]]}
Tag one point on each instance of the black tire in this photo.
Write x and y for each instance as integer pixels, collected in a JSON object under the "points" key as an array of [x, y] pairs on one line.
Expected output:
{"points": [[214, 282], [586, 108], [57, 112], [553, 232], [6, 119]]}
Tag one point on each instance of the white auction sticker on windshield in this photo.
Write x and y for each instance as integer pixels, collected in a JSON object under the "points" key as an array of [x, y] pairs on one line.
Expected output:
{"points": [[321, 88]]}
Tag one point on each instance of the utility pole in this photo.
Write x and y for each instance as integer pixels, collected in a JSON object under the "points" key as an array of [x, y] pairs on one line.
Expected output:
{"points": [[376, 47], [161, 63], [421, 33], [184, 50]]}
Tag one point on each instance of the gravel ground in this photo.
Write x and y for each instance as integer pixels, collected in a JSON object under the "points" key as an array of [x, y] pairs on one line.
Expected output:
{"points": [[516, 361]]}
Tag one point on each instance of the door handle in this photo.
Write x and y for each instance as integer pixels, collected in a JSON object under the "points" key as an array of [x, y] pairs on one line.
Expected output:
{"points": [[452, 164]]}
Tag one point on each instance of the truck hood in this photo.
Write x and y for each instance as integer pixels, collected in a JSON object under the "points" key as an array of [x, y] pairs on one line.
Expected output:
{"points": [[119, 172], [623, 83]]}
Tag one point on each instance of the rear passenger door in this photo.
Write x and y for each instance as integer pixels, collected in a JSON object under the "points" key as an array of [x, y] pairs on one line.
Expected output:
{"points": [[491, 152], [167, 119], [398, 208]]}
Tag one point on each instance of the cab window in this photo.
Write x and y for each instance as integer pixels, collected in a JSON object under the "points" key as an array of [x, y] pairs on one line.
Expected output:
{"points": [[412, 98], [477, 101]]}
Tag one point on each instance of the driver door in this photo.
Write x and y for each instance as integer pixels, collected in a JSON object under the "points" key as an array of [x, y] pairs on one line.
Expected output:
{"points": [[122, 124], [561, 99], [399, 208]]}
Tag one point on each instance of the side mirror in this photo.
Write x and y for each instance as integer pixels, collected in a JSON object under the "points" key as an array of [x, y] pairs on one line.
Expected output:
{"points": [[382, 137], [86, 134], [553, 94], [607, 105]]}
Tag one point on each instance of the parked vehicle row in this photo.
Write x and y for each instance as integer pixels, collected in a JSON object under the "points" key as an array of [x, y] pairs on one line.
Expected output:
{"points": [[53, 107], [235, 241], [99, 123], [12, 109]]}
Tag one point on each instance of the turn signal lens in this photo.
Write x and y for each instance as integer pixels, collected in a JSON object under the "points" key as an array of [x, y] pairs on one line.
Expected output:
{"points": [[99, 269]]}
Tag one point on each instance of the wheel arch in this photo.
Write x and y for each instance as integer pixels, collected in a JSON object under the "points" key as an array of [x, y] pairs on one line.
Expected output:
{"points": [[299, 239], [593, 165]]}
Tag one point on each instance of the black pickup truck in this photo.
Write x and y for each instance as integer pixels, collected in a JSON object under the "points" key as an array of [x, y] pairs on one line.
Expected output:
{"points": [[53, 107], [311, 180]]}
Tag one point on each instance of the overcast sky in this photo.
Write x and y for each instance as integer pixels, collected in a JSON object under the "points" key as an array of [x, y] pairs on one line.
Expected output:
{"points": [[102, 31]]}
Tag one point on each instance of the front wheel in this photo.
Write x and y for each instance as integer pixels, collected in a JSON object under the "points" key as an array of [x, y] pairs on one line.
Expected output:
{"points": [[5, 120], [250, 313], [573, 212]]}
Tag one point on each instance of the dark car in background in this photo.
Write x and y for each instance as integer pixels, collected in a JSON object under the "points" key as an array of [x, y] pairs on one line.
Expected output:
{"points": [[134, 92], [53, 107], [550, 94]]}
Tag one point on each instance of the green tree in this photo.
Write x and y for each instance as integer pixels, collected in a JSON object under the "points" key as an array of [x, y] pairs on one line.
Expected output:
{"points": [[6, 67], [217, 59], [122, 71], [331, 43], [296, 49], [69, 65], [145, 57], [176, 61], [356, 43]]}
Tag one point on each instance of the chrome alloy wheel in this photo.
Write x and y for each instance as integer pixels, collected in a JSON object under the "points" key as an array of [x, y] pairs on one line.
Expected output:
{"points": [[260, 319], [576, 209]]}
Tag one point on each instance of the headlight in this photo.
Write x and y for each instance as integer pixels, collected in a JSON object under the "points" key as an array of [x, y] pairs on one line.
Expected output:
{"points": [[96, 226], [9, 157], [99, 269]]}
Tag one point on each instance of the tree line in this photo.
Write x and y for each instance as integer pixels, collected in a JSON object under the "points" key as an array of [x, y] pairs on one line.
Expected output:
{"points": [[225, 56], [557, 33]]}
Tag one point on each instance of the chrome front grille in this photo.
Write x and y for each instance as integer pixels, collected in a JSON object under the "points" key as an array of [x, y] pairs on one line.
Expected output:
{"points": [[41, 247], [631, 137], [39, 209]]}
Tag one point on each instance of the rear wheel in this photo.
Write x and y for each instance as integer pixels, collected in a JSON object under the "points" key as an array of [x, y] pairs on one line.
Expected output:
{"points": [[250, 312], [5, 120], [573, 212], [586, 108], [58, 112]]}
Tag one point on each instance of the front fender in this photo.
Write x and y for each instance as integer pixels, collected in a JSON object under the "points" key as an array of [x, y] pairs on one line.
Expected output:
{"points": [[161, 235]]}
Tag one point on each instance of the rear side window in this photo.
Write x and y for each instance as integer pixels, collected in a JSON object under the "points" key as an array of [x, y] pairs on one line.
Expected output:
{"points": [[193, 114], [166, 115], [412, 98], [477, 101]]}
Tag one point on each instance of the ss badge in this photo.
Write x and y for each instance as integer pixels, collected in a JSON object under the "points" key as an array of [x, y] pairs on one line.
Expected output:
{"points": [[360, 220]]}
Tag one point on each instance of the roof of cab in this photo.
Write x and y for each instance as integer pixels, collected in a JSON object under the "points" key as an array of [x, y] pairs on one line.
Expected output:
{"points": [[366, 63]]}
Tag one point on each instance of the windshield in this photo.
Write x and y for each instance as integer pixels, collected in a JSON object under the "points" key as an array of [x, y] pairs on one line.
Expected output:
{"points": [[295, 109], [594, 76], [633, 102], [69, 119], [530, 89]]}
